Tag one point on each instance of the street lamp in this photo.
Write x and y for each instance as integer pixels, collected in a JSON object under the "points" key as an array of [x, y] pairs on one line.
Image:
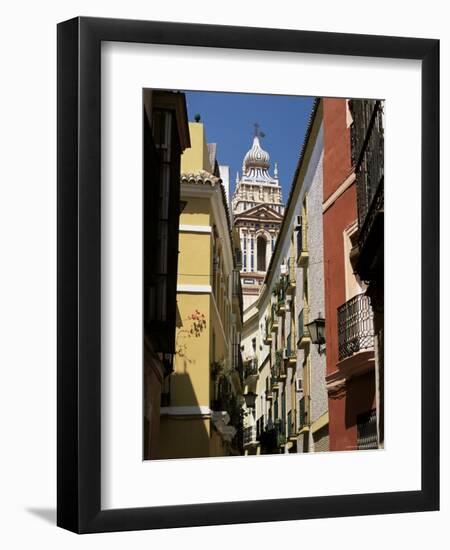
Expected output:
{"points": [[317, 331], [250, 399]]}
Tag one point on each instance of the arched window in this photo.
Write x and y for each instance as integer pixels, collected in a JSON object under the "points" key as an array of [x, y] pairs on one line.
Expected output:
{"points": [[261, 253]]}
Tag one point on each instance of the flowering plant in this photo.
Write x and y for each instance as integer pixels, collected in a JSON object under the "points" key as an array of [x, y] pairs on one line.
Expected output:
{"points": [[198, 323]]}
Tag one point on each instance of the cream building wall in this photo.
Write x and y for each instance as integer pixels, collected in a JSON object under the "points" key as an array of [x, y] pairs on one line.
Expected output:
{"points": [[274, 341]]}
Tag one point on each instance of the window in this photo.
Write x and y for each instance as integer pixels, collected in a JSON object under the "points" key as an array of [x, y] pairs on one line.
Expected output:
{"points": [[301, 413], [261, 253], [245, 254]]}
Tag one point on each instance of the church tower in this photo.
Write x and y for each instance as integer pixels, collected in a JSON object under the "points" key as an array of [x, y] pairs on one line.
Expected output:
{"points": [[258, 210]]}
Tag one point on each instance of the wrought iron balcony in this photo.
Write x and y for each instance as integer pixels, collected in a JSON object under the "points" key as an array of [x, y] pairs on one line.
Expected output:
{"points": [[367, 152], [250, 436], [302, 414], [280, 368], [355, 326], [302, 244], [278, 360], [290, 353], [367, 135], [292, 433], [290, 276], [250, 367], [273, 318], [370, 258], [281, 295], [304, 338], [275, 381], [268, 332]]}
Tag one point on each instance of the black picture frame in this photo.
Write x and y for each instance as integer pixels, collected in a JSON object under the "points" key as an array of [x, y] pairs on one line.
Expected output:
{"points": [[79, 281]]}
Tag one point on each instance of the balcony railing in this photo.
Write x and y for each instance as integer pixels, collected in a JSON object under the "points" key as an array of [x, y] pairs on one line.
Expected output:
{"points": [[273, 317], [268, 331], [302, 244], [250, 367], [367, 134], [303, 332], [290, 276], [355, 326], [279, 370], [274, 381], [278, 360], [367, 152], [250, 436], [376, 208], [290, 352], [281, 294]]}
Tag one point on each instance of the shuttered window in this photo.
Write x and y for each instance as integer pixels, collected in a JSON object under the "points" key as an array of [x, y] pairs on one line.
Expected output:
{"points": [[302, 416]]}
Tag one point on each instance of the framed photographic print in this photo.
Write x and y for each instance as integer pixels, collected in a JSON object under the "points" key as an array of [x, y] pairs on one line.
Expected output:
{"points": [[247, 330]]}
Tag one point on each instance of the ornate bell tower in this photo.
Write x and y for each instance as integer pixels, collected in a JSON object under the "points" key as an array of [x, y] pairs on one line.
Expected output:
{"points": [[258, 211]]}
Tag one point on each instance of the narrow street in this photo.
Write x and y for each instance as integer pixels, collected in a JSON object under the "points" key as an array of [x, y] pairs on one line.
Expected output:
{"points": [[269, 340]]}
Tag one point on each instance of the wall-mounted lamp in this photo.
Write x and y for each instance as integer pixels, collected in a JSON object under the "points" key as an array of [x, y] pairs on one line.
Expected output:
{"points": [[317, 332], [250, 399]]}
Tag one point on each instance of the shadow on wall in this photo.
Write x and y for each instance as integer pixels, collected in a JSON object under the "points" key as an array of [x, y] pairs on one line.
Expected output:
{"points": [[360, 397], [184, 431]]}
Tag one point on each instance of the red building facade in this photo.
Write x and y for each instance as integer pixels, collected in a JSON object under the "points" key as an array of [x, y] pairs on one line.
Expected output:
{"points": [[350, 372]]}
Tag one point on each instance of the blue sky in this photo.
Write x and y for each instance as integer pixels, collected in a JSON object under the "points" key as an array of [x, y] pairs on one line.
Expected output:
{"points": [[229, 121]]}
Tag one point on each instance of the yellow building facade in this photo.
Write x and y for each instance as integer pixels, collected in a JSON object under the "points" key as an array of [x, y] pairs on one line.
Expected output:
{"points": [[201, 412]]}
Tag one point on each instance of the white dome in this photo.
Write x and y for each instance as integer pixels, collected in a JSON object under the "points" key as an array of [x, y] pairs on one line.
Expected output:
{"points": [[256, 157]]}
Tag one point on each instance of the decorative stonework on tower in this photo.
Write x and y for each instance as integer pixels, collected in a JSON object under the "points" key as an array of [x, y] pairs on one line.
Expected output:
{"points": [[258, 211]]}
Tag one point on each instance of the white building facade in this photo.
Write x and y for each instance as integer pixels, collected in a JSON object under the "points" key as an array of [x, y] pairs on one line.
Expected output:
{"points": [[283, 368]]}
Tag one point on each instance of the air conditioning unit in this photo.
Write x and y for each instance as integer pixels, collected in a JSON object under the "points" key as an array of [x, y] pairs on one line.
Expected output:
{"points": [[283, 269], [285, 354], [298, 385]]}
